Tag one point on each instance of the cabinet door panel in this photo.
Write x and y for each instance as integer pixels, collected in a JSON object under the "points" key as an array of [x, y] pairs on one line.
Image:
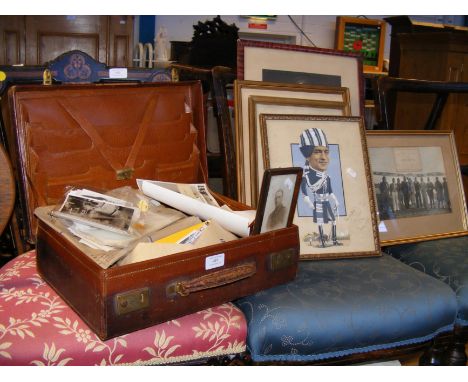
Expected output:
{"points": [[11, 40], [120, 41], [49, 36]]}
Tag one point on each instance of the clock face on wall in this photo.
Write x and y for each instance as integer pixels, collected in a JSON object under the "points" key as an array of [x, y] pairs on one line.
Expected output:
{"points": [[364, 39]]}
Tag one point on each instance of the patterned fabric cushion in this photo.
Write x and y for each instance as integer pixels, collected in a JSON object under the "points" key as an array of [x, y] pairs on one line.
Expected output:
{"points": [[38, 328], [446, 259], [341, 307]]}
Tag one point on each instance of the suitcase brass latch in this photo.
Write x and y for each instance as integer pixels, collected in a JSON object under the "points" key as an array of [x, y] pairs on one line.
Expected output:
{"points": [[282, 259], [130, 301], [125, 173]]}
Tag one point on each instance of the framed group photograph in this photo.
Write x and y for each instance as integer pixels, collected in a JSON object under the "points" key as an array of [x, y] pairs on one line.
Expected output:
{"points": [[255, 97], [284, 63], [335, 209], [278, 199], [363, 36], [418, 186]]}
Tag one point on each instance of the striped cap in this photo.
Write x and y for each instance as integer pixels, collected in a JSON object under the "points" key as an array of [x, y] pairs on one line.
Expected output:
{"points": [[311, 138]]}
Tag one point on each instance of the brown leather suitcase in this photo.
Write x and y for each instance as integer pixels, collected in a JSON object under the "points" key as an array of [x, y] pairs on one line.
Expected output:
{"points": [[106, 136]]}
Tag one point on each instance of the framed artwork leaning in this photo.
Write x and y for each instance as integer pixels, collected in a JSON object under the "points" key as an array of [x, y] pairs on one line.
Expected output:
{"points": [[284, 63], [255, 97], [363, 36], [418, 186], [278, 199], [335, 209]]}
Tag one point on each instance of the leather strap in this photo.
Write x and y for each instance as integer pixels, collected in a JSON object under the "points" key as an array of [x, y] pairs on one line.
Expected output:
{"points": [[99, 142], [143, 128], [216, 279], [91, 132]]}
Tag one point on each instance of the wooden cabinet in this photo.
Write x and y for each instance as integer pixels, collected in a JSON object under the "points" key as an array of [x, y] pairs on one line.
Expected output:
{"points": [[431, 52], [12, 40], [35, 40]]}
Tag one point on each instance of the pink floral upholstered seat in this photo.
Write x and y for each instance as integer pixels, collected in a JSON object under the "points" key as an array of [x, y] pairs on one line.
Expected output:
{"points": [[38, 328]]}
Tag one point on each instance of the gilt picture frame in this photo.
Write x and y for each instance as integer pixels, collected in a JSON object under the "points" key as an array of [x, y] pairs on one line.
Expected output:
{"points": [[275, 62], [255, 97], [418, 187], [278, 199], [335, 210]]}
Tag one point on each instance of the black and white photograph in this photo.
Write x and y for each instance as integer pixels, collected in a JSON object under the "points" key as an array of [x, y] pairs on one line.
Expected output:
{"points": [[98, 212], [409, 181], [278, 198], [417, 185]]}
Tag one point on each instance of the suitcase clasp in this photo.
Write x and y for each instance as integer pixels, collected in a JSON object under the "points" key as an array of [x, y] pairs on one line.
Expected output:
{"points": [[131, 301], [125, 173], [282, 259]]}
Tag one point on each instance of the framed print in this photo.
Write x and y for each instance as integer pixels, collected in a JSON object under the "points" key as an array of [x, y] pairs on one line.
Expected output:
{"points": [[255, 97], [418, 186], [274, 62], [278, 199], [363, 36], [335, 209]]}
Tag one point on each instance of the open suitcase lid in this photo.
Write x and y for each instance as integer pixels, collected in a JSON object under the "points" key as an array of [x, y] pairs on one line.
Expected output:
{"points": [[103, 136]]}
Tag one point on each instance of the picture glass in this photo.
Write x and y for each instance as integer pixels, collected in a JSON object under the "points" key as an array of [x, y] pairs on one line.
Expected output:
{"points": [[364, 39], [409, 181], [280, 196], [334, 171], [287, 76]]}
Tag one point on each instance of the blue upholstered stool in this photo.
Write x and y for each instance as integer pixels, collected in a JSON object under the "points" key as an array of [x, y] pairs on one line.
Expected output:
{"points": [[336, 308], [447, 260]]}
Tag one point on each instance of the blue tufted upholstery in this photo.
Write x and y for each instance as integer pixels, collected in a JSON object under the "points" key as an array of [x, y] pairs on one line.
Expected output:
{"points": [[446, 259], [340, 307]]}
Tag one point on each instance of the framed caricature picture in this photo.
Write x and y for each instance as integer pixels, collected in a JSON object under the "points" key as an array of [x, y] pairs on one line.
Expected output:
{"points": [[254, 98], [418, 187], [283, 63], [335, 209], [278, 199]]}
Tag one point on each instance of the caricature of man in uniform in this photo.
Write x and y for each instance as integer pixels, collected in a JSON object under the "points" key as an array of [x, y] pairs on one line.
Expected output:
{"points": [[316, 186]]}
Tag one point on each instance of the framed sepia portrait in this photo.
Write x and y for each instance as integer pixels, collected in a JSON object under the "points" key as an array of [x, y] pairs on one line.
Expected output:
{"points": [[278, 199], [274, 62], [335, 209], [255, 97], [418, 187]]}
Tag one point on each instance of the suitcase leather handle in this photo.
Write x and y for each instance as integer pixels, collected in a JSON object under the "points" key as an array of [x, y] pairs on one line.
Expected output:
{"points": [[216, 279]]}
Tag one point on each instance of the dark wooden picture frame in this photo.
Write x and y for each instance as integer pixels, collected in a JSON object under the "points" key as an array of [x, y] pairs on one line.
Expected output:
{"points": [[280, 184], [359, 35], [303, 64]]}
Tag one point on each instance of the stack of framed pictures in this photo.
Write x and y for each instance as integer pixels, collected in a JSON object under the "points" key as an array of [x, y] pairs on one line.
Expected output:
{"points": [[254, 98], [302, 107], [282, 93]]}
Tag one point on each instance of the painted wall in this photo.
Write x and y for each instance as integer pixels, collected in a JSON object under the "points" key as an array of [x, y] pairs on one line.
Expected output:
{"points": [[319, 29]]}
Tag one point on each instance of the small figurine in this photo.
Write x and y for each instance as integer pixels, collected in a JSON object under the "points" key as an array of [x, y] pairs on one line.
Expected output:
{"points": [[162, 45]]}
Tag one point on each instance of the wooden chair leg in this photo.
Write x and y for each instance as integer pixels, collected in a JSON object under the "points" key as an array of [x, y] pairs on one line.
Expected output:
{"points": [[456, 354], [436, 354]]}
